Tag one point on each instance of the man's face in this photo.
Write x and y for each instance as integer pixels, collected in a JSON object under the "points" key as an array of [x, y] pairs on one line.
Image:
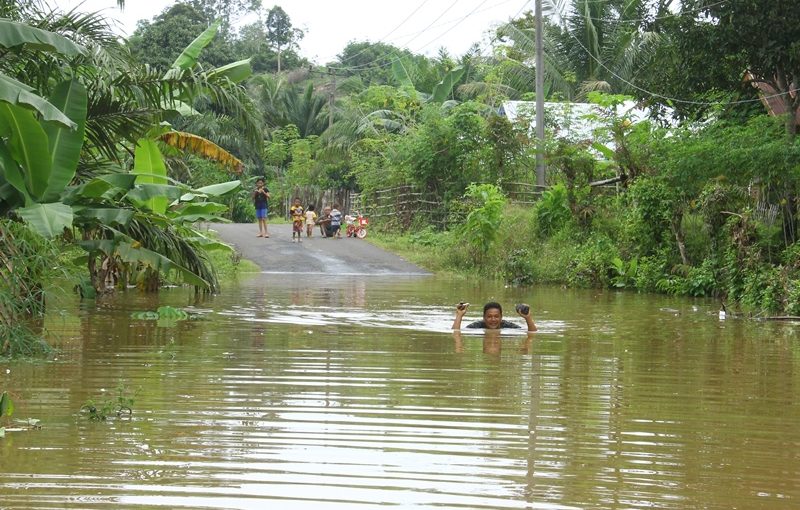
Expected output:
{"points": [[327, 210], [260, 184], [492, 318], [296, 201]]}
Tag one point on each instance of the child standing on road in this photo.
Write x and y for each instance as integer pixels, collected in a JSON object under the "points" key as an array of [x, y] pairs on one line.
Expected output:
{"points": [[311, 216], [261, 202], [296, 212], [336, 222]]}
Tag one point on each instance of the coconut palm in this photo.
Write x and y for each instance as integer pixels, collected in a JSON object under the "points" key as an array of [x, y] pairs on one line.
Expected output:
{"points": [[589, 45]]}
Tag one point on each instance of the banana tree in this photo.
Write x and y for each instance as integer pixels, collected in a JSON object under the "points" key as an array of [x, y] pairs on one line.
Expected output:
{"points": [[442, 92], [32, 179], [131, 236]]}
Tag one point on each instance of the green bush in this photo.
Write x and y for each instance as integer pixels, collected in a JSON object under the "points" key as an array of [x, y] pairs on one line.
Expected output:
{"points": [[649, 207], [518, 266], [793, 297], [242, 209], [428, 236], [649, 271], [763, 289], [482, 224], [26, 260], [590, 267], [700, 281], [552, 211]]}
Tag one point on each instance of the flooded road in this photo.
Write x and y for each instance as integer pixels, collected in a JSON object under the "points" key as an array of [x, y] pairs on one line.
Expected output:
{"points": [[352, 393]]}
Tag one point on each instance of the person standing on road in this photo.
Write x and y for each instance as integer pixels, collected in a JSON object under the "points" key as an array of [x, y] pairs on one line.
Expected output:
{"points": [[311, 217], [261, 202], [297, 214]]}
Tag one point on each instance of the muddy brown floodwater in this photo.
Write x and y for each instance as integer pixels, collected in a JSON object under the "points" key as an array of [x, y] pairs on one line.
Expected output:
{"points": [[350, 392]]}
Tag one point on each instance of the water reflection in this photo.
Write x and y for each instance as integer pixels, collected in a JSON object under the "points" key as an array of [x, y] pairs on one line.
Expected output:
{"points": [[493, 341], [348, 393]]}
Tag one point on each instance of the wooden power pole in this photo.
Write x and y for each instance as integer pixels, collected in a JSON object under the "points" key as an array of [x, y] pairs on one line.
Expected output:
{"points": [[540, 166], [331, 98]]}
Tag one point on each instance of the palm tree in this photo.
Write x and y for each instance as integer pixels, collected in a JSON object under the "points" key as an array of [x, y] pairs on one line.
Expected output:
{"points": [[593, 45], [282, 104]]}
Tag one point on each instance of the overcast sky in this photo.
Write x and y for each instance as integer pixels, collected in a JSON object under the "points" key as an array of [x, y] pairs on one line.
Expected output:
{"points": [[422, 26]]}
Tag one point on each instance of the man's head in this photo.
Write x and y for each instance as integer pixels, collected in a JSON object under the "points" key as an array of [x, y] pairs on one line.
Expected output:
{"points": [[492, 314], [297, 201], [327, 209], [335, 205], [260, 183]]}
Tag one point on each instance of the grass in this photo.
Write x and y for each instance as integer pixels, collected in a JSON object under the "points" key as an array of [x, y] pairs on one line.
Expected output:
{"points": [[408, 245], [229, 265]]}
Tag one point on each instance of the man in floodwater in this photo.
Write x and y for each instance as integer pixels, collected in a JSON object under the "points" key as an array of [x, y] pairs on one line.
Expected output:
{"points": [[493, 317]]}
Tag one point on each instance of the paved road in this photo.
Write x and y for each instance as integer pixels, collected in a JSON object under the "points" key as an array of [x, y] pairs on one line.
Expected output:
{"points": [[316, 255]]}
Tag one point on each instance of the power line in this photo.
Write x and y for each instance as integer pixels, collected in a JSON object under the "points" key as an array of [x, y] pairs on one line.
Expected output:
{"points": [[395, 57], [422, 4], [655, 18], [456, 20], [368, 64], [454, 26], [673, 99]]}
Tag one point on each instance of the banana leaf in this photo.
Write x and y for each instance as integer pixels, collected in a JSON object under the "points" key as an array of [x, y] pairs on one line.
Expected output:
{"points": [[13, 34], [149, 167], [236, 72], [220, 189], [49, 220], [103, 215], [11, 174], [401, 73], [145, 194], [27, 145], [204, 148], [65, 144], [188, 57], [131, 252], [444, 89], [17, 93]]}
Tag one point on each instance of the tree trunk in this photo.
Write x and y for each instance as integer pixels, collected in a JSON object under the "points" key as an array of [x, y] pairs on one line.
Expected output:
{"points": [[679, 237], [790, 103]]}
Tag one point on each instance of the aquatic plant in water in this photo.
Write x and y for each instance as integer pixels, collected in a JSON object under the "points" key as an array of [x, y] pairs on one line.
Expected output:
{"points": [[121, 405]]}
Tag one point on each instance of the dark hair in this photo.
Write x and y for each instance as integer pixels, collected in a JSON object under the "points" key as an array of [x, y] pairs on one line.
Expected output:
{"points": [[310, 207], [492, 305], [335, 205]]}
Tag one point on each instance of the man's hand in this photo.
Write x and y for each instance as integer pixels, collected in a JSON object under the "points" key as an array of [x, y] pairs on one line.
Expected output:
{"points": [[461, 310], [524, 311]]}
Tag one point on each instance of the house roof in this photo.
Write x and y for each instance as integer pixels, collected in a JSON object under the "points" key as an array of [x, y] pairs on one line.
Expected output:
{"points": [[573, 121]]}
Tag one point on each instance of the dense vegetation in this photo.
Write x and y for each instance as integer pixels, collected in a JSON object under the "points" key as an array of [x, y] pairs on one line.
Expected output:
{"points": [[145, 137]]}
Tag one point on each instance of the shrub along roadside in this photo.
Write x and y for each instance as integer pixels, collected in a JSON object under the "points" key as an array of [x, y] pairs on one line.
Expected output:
{"points": [[604, 258]]}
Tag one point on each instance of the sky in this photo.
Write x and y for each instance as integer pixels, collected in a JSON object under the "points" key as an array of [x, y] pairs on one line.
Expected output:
{"points": [[422, 26]]}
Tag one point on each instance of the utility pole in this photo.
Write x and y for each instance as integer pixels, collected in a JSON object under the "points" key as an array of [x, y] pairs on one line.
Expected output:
{"points": [[331, 97], [540, 167]]}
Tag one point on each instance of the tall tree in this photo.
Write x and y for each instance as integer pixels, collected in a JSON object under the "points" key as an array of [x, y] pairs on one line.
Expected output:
{"points": [[160, 41], [760, 37], [227, 11], [280, 32]]}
